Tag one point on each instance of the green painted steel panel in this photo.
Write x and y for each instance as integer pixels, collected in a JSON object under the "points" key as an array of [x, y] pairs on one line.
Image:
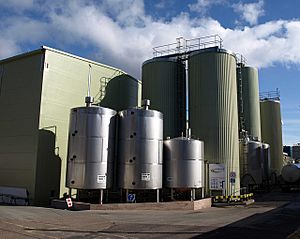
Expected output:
{"points": [[65, 87], [127, 90], [250, 91], [213, 113], [271, 132], [163, 82], [37, 91], [20, 92]]}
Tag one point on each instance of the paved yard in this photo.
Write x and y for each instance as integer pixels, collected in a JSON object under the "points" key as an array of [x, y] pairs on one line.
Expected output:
{"points": [[274, 215]]}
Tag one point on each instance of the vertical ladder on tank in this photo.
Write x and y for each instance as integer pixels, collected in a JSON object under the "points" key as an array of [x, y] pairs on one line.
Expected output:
{"points": [[180, 96], [240, 99]]}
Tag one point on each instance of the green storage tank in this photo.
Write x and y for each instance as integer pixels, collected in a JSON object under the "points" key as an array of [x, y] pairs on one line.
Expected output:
{"points": [[250, 96], [213, 111], [163, 83], [126, 88], [271, 129]]}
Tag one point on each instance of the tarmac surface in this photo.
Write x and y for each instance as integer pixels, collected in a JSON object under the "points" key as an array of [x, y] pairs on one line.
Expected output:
{"points": [[273, 215]]}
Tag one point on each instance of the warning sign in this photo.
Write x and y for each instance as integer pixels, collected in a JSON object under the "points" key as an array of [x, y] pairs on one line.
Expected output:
{"points": [[101, 178], [216, 176], [145, 177], [69, 202]]}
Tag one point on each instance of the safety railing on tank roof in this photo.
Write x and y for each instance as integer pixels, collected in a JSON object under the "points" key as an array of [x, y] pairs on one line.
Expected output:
{"points": [[183, 46], [270, 95], [240, 59]]}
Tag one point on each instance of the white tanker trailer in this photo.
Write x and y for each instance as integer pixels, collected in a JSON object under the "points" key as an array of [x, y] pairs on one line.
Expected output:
{"points": [[290, 175]]}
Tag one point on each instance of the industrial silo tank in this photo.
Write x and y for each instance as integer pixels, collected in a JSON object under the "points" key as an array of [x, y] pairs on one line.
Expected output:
{"points": [[254, 162], [291, 173], [250, 97], [183, 163], [163, 82], [251, 164], [125, 87], [91, 148], [140, 149], [243, 155], [271, 128], [213, 112], [265, 151]]}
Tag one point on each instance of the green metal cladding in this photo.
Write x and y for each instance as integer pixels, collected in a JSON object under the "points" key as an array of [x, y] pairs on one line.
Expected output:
{"points": [[271, 129], [37, 91], [250, 91], [163, 82], [213, 112]]}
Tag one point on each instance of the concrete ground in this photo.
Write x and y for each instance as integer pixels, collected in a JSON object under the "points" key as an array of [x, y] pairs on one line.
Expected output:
{"points": [[273, 215]]}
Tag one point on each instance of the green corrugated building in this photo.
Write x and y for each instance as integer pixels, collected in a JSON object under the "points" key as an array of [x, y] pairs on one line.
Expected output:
{"points": [[37, 91]]}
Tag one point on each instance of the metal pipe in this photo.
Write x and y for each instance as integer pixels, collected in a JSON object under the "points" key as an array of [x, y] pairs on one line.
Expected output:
{"points": [[157, 195], [89, 81], [146, 104], [188, 133], [101, 196], [89, 99]]}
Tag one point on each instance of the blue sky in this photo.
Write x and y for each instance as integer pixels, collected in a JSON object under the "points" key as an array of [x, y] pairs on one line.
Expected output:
{"points": [[122, 33]]}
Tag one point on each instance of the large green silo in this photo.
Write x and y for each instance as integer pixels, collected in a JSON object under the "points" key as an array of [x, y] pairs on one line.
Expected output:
{"points": [[163, 82], [213, 112], [271, 132], [120, 93], [250, 96]]}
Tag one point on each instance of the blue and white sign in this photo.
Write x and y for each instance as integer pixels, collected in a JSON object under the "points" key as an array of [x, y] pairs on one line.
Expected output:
{"points": [[131, 197], [216, 176]]}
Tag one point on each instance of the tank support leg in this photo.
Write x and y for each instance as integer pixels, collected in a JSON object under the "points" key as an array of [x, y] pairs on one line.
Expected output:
{"points": [[157, 195], [126, 195], [193, 194], [101, 196], [172, 194], [202, 192], [70, 192]]}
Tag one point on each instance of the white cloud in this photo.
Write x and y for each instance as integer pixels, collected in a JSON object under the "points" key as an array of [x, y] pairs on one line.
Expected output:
{"points": [[17, 5], [125, 35], [250, 12], [201, 6]]}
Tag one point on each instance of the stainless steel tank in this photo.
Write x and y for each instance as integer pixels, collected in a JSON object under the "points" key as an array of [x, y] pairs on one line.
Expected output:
{"points": [[213, 111], [265, 151], [140, 149], [91, 148], [291, 173], [254, 161], [183, 163], [251, 163]]}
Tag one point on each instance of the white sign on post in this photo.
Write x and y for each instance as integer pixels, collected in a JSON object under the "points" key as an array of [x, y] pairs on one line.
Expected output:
{"points": [[216, 176]]}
